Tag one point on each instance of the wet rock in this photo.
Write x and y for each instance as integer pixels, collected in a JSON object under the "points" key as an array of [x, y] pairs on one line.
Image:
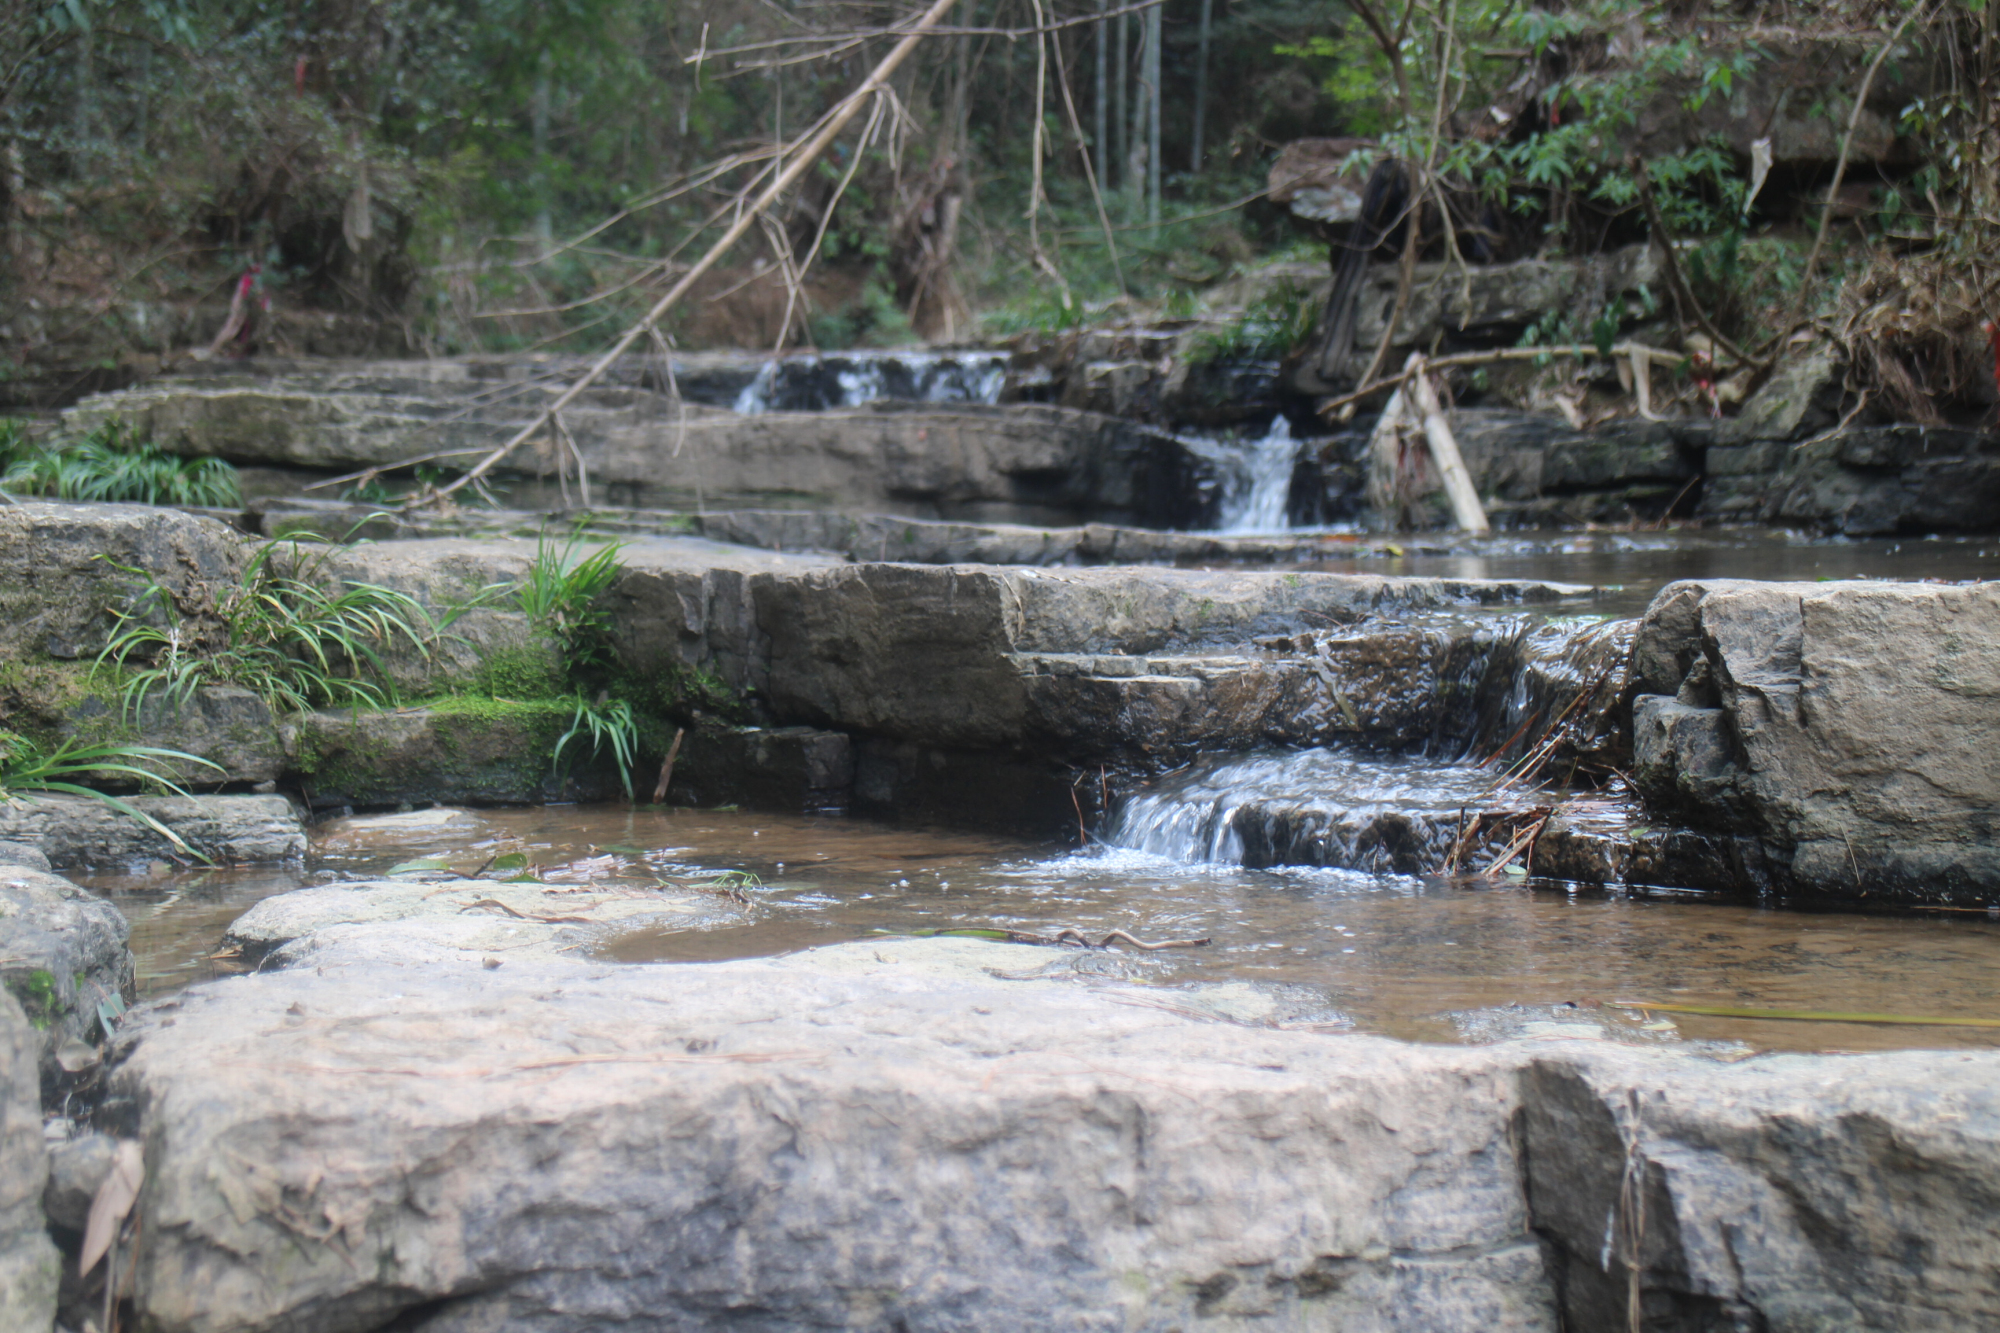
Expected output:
{"points": [[424, 920], [1786, 1192], [1082, 664], [1849, 729], [441, 826], [77, 1166], [1455, 300], [62, 954], [857, 1124], [1862, 481], [482, 751], [29, 1264], [768, 768], [22, 854], [79, 831]]}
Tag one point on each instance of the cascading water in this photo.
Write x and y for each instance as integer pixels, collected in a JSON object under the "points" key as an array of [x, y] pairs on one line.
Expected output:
{"points": [[1328, 807], [854, 379], [1490, 703], [1260, 487]]}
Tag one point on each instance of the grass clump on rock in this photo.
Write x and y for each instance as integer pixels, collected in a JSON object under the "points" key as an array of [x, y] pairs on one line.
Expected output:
{"points": [[110, 463], [285, 630]]}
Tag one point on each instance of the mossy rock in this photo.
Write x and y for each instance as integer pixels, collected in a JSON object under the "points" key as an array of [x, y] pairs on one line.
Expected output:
{"points": [[460, 750]]}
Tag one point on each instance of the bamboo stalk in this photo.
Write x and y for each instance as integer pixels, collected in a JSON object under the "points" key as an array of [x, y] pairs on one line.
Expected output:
{"points": [[797, 167]]}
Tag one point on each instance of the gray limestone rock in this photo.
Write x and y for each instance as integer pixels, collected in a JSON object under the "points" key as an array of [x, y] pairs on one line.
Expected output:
{"points": [[60, 572], [1853, 728], [23, 854], [28, 1260], [77, 1166], [1801, 396], [79, 831], [870, 1135], [62, 954], [907, 1132]]}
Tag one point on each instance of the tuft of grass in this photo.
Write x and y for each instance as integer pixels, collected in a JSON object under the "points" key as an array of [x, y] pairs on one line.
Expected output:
{"points": [[111, 463], [74, 769], [288, 632], [609, 723], [560, 594]]}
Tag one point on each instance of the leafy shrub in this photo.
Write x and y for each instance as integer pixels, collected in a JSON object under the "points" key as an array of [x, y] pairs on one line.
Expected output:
{"points": [[1269, 327], [110, 463]]}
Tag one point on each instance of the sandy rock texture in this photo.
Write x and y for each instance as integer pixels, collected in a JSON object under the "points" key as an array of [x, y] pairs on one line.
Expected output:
{"points": [[904, 1134], [28, 1260], [1843, 737]]}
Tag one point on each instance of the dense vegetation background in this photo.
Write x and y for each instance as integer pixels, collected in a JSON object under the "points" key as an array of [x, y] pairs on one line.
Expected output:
{"points": [[449, 175]]}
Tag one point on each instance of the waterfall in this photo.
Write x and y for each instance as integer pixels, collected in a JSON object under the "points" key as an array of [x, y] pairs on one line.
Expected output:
{"points": [[1260, 488], [855, 379]]}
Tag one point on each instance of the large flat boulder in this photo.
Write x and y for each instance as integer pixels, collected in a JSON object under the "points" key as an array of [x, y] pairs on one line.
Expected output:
{"points": [[80, 831], [920, 1133], [1849, 731]]}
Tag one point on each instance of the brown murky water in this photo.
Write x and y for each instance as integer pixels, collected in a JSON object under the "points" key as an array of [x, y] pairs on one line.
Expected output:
{"points": [[1424, 960]]}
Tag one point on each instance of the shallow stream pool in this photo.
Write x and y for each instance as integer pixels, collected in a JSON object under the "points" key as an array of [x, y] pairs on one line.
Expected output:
{"points": [[1430, 960]]}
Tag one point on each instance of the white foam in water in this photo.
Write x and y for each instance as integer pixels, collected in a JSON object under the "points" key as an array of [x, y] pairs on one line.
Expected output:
{"points": [[936, 377], [1190, 816], [1259, 491]]}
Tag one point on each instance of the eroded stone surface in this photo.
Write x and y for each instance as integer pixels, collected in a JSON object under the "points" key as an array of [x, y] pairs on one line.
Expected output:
{"points": [[783, 1143], [1851, 729], [62, 953], [28, 1261], [79, 831]]}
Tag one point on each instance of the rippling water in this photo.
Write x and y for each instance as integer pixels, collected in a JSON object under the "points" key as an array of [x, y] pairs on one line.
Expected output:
{"points": [[1430, 960]]}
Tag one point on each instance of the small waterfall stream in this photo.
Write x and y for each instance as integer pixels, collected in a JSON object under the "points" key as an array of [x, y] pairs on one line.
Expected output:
{"points": [[1467, 703], [855, 379], [1260, 487]]}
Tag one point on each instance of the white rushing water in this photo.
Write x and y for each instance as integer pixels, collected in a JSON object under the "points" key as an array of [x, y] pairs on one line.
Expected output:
{"points": [[854, 379], [1191, 815], [1257, 492]]}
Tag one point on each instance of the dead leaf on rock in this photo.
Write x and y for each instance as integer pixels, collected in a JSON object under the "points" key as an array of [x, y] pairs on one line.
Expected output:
{"points": [[113, 1202]]}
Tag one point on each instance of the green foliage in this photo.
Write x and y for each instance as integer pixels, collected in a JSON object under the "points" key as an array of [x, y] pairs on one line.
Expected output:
{"points": [[110, 463], [74, 768], [608, 722], [1271, 326], [560, 595], [872, 319], [288, 630]]}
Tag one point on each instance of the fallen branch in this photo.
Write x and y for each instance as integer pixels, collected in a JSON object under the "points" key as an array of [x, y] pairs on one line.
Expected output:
{"points": [[1682, 294], [1330, 406], [807, 155], [1847, 143]]}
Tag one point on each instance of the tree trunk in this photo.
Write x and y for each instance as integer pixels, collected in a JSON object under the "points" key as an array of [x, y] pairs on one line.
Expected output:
{"points": [[1201, 83], [538, 125], [1122, 157], [1099, 145], [1155, 168]]}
